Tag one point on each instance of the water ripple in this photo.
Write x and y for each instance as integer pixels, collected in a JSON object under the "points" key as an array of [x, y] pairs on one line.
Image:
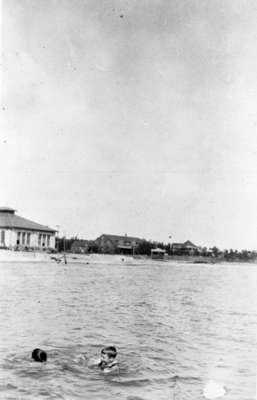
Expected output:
{"points": [[176, 327]]}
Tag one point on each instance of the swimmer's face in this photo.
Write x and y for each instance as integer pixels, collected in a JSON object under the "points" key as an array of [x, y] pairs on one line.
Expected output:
{"points": [[105, 357]]}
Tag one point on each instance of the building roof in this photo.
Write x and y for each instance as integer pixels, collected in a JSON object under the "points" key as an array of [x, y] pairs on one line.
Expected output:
{"points": [[184, 245], [7, 210], [158, 250], [9, 220], [117, 237], [190, 244]]}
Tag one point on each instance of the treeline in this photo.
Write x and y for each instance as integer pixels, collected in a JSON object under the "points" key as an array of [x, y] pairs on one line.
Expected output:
{"points": [[64, 244], [145, 247], [229, 255], [243, 255]]}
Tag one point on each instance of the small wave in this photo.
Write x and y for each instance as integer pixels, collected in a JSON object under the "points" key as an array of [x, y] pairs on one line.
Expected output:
{"points": [[131, 381], [8, 386], [185, 378], [238, 314]]}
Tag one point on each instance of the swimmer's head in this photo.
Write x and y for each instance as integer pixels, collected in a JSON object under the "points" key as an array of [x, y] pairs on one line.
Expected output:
{"points": [[39, 355], [108, 353]]}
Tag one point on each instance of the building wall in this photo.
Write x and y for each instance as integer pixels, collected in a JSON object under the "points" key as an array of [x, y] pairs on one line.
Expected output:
{"points": [[107, 246], [26, 238], [112, 244]]}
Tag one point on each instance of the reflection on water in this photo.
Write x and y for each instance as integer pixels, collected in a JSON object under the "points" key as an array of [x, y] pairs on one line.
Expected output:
{"points": [[176, 327]]}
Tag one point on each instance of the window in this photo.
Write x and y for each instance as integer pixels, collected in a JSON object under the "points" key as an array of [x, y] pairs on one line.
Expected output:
{"points": [[39, 239], [18, 238], [28, 239], [48, 240], [2, 237], [23, 238]]}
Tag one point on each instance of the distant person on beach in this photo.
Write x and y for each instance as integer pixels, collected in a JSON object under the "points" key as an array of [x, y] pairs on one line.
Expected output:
{"points": [[60, 258], [39, 355], [107, 362]]}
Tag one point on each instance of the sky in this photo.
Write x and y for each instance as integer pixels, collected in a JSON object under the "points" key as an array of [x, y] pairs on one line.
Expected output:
{"points": [[132, 117]]}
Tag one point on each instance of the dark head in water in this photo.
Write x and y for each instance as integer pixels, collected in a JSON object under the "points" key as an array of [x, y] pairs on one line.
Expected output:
{"points": [[39, 355], [110, 351], [108, 355]]}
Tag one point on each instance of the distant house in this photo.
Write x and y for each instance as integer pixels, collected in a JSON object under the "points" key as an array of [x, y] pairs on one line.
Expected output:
{"points": [[186, 248], [19, 232], [82, 246], [115, 244], [158, 254]]}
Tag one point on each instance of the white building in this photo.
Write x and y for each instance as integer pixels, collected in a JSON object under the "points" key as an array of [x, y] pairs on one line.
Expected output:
{"points": [[18, 232]]}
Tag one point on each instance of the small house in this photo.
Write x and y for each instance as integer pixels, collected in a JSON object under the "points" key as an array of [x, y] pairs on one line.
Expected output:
{"points": [[187, 248], [157, 254]]}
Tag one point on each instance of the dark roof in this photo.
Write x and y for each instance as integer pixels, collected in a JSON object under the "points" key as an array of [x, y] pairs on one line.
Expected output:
{"points": [[116, 237], [188, 243], [7, 210], [8, 219], [185, 244]]}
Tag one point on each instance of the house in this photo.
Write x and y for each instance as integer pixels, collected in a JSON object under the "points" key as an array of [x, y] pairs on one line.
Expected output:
{"points": [[20, 233], [115, 244], [158, 254], [186, 248]]}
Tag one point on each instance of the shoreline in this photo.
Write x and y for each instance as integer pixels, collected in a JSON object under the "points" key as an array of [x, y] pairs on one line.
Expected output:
{"points": [[9, 256]]}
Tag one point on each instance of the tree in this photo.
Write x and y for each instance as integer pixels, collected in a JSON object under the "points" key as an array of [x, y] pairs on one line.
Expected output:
{"points": [[64, 244], [144, 247], [215, 251]]}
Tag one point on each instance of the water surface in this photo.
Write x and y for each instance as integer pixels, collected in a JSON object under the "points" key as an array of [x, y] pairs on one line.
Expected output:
{"points": [[175, 327]]}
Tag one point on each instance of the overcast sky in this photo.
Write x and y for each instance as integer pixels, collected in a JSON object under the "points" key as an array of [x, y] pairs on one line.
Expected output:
{"points": [[134, 117]]}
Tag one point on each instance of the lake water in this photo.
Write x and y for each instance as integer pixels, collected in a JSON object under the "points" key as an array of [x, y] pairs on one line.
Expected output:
{"points": [[176, 327]]}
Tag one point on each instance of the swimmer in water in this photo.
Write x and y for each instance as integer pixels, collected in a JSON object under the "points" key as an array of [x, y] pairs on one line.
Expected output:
{"points": [[107, 362], [39, 355]]}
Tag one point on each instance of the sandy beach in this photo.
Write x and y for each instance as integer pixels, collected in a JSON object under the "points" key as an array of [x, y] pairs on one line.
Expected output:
{"points": [[25, 256], [37, 256]]}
